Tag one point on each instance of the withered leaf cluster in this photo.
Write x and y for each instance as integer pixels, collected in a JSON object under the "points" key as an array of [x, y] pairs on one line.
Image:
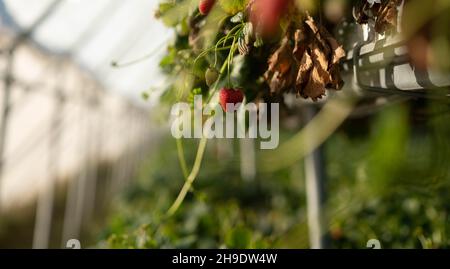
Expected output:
{"points": [[307, 62], [383, 13]]}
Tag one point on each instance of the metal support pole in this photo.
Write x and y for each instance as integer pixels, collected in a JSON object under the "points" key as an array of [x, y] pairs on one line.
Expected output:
{"points": [[121, 171], [315, 194], [43, 223], [130, 160], [71, 203], [8, 81], [248, 159], [7, 85], [93, 160], [73, 215]]}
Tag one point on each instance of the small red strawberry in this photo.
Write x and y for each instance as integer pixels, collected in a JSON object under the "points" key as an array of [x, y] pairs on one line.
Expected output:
{"points": [[267, 14], [230, 96], [205, 6]]}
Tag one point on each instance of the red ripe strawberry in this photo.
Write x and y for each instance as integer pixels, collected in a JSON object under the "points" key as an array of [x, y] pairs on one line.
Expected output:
{"points": [[230, 96], [205, 6], [266, 15]]}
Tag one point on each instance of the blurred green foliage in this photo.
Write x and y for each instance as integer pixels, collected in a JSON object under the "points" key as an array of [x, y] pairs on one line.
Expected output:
{"points": [[396, 185], [388, 179]]}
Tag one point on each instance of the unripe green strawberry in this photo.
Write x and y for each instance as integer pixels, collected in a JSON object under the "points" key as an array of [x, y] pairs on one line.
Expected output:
{"points": [[211, 76]]}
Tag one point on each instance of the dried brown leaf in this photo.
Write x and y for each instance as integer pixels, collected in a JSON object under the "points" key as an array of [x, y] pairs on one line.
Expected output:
{"points": [[281, 64], [301, 43], [387, 16], [320, 77], [337, 50], [309, 66], [304, 73]]}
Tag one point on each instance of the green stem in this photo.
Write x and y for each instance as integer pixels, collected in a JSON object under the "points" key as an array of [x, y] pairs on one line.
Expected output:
{"points": [[204, 53], [190, 179], [197, 163], [223, 41], [181, 158], [230, 60], [203, 142]]}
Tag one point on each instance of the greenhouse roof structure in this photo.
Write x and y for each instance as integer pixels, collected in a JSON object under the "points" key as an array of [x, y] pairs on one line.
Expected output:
{"points": [[95, 34]]}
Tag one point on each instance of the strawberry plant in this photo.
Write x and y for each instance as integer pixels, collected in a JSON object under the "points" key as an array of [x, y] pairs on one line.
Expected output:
{"points": [[264, 48]]}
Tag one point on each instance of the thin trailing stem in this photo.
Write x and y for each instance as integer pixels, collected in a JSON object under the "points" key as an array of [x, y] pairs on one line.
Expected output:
{"points": [[190, 179], [204, 53], [230, 60], [181, 158]]}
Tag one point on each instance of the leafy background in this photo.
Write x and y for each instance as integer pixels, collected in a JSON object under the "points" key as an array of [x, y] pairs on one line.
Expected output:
{"points": [[388, 178]]}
